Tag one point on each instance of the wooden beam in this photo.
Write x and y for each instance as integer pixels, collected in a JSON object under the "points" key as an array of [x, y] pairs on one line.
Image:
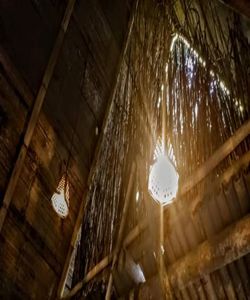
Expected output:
{"points": [[213, 254], [34, 116], [233, 171], [135, 232], [218, 156], [96, 155], [240, 164], [224, 248], [90, 275], [105, 261]]}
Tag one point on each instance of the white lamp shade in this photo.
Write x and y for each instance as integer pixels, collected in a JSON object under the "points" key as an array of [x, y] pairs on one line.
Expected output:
{"points": [[163, 180], [60, 199]]}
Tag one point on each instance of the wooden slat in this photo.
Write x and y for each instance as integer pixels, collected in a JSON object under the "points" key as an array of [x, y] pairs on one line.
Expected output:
{"points": [[103, 263], [225, 247], [21, 261], [35, 239], [218, 156], [90, 275], [13, 116]]}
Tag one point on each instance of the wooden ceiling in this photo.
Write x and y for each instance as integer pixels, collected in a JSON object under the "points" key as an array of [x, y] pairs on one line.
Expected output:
{"points": [[34, 241]]}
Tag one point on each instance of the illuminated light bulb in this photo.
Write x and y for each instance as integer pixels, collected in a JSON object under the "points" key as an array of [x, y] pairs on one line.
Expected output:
{"points": [[163, 180], [60, 199]]}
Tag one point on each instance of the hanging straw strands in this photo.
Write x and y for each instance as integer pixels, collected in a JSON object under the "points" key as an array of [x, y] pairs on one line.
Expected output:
{"points": [[124, 138], [186, 54]]}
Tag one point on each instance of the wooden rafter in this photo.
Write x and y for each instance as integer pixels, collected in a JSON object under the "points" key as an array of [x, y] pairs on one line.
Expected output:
{"points": [[218, 156], [225, 247]]}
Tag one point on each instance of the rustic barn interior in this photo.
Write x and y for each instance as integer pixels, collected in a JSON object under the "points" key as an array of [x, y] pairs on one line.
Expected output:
{"points": [[124, 149]]}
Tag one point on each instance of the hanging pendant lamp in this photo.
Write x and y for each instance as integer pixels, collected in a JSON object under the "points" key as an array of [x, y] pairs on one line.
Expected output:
{"points": [[163, 180], [163, 177], [60, 199]]}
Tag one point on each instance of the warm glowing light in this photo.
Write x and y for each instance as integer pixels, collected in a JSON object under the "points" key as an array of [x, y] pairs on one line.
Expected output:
{"points": [[163, 180], [197, 55], [60, 199], [159, 102], [137, 196]]}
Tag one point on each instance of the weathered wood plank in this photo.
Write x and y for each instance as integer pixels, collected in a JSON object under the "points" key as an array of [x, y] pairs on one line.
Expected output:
{"points": [[36, 240], [221, 153], [40, 176], [66, 105], [20, 260], [225, 247], [98, 35], [12, 120], [119, 20]]}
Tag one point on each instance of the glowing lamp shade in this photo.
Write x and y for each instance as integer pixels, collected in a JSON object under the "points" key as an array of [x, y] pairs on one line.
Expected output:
{"points": [[163, 180], [60, 199]]}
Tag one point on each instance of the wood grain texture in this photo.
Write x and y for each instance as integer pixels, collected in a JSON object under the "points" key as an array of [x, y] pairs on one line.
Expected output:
{"points": [[82, 79]]}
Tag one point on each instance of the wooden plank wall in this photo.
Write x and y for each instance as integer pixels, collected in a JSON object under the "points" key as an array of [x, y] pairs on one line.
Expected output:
{"points": [[34, 240]]}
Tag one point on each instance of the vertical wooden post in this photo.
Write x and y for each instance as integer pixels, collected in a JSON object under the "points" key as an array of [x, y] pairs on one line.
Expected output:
{"points": [[35, 113]]}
